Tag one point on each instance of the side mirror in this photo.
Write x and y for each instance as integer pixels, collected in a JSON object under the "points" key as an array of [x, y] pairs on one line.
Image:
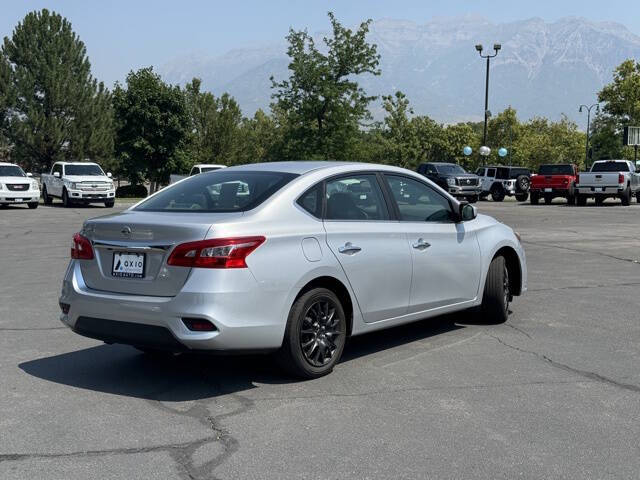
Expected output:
{"points": [[56, 174], [109, 174], [29, 174], [467, 212]]}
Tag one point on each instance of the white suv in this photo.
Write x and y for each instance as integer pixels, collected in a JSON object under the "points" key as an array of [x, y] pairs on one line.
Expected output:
{"points": [[503, 182], [17, 186]]}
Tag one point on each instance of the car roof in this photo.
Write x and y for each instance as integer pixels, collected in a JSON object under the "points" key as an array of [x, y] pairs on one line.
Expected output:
{"points": [[205, 165], [7, 164], [298, 167], [77, 163]]}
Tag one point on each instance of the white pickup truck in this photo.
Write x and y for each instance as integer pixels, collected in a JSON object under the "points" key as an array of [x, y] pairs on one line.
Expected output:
{"points": [[78, 182], [608, 178], [197, 169], [17, 186]]}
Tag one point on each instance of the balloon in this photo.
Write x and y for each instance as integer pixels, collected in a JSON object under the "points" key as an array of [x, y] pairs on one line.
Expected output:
{"points": [[485, 151], [467, 151], [502, 152]]}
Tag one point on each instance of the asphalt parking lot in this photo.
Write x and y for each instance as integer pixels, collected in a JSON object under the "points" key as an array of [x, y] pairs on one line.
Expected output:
{"points": [[553, 393]]}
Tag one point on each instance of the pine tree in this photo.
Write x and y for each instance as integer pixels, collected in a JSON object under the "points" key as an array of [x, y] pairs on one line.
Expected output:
{"points": [[56, 110]]}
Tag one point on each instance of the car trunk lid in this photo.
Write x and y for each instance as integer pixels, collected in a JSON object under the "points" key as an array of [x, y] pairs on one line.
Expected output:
{"points": [[148, 237]]}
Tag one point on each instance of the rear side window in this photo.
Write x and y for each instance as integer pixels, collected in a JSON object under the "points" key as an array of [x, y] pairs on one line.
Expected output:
{"points": [[610, 167], [311, 201], [356, 197], [219, 191], [555, 170], [491, 172]]}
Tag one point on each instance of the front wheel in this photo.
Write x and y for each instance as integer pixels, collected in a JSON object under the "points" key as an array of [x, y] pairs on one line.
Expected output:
{"points": [[66, 202], [497, 193], [472, 199], [109, 203], [581, 200], [32, 205], [497, 293], [45, 197], [626, 197], [548, 199], [315, 335], [522, 197]]}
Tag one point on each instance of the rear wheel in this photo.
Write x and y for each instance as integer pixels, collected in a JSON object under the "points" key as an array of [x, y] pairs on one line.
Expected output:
{"points": [[626, 197], [497, 293], [522, 197], [497, 193], [534, 198], [638, 196], [472, 199], [571, 199], [45, 197], [32, 205], [599, 200], [581, 200], [315, 335], [548, 199]]}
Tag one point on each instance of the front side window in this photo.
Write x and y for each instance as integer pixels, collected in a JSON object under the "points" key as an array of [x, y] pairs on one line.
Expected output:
{"points": [[356, 197], [92, 170], [11, 171], [480, 172], [221, 191], [431, 170], [57, 168], [418, 202], [451, 169]]}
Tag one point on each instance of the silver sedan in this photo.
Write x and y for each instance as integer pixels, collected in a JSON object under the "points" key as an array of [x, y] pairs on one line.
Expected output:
{"points": [[293, 257]]}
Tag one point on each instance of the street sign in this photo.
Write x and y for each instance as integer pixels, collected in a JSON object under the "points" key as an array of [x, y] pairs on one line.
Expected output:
{"points": [[631, 136]]}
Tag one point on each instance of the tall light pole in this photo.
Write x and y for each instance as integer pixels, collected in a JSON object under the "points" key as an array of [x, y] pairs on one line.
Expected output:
{"points": [[496, 49], [588, 109]]}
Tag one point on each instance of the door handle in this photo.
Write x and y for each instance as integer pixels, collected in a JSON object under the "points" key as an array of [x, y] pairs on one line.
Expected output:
{"points": [[349, 249], [421, 244]]}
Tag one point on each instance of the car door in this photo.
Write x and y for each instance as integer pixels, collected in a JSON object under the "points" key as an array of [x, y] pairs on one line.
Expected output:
{"points": [[370, 247], [488, 179], [445, 254], [56, 183]]}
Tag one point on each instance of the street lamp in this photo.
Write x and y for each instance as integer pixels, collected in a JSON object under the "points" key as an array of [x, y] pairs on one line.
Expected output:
{"points": [[588, 109], [496, 49]]}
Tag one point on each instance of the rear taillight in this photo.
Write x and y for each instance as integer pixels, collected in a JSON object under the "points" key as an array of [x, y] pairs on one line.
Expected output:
{"points": [[215, 253], [565, 181], [81, 248], [620, 178]]}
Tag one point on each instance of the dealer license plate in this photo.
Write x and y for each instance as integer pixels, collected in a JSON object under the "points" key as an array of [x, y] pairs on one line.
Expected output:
{"points": [[598, 189], [128, 265]]}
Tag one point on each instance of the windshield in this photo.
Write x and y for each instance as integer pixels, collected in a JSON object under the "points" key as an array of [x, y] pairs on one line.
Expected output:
{"points": [[11, 171], [220, 191], [89, 169], [610, 167], [450, 169], [555, 170]]}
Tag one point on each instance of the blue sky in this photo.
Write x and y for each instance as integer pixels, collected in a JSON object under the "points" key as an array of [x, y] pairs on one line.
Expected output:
{"points": [[124, 35]]}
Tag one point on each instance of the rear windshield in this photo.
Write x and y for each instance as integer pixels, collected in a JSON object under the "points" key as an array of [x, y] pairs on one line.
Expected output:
{"points": [[610, 167], [11, 171], [450, 169], [219, 191], [209, 169], [94, 170], [555, 170]]}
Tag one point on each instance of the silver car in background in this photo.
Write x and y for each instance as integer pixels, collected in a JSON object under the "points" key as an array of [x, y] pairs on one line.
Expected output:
{"points": [[287, 256]]}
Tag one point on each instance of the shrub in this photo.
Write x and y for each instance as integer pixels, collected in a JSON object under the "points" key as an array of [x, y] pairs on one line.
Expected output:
{"points": [[132, 191]]}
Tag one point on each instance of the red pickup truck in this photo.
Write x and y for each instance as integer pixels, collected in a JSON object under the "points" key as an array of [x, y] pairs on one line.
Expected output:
{"points": [[556, 180]]}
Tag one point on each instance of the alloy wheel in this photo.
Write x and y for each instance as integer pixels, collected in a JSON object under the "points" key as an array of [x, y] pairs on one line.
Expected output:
{"points": [[320, 332]]}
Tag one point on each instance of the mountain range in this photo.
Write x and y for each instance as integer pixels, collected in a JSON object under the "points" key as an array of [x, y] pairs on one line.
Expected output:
{"points": [[543, 69]]}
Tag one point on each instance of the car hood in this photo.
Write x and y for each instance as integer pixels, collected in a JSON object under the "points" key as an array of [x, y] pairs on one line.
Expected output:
{"points": [[15, 180]]}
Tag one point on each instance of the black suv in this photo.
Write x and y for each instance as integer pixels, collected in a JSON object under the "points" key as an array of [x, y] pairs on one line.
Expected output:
{"points": [[502, 181], [453, 179]]}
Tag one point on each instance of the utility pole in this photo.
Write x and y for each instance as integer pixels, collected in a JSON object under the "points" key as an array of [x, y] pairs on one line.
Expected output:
{"points": [[586, 148]]}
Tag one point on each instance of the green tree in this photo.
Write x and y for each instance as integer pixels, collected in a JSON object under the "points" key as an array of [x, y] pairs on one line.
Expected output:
{"points": [[56, 110], [622, 96], [322, 103], [215, 126], [259, 138], [151, 127]]}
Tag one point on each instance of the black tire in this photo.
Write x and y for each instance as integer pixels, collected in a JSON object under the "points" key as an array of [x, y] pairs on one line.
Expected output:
{"points": [[581, 200], [638, 196], [109, 203], [599, 200], [497, 193], [522, 183], [66, 202], [534, 198], [497, 293], [482, 196], [522, 197], [571, 199], [626, 197], [548, 199], [472, 199], [155, 352], [32, 205], [45, 197], [297, 355]]}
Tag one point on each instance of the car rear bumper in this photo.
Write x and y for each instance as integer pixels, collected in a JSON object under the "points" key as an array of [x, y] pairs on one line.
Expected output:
{"points": [[560, 192], [617, 190], [247, 320]]}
